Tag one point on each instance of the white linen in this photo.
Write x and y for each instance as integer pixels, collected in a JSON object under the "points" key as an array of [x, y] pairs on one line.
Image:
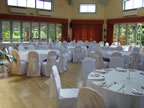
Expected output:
{"points": [[42, 54]]}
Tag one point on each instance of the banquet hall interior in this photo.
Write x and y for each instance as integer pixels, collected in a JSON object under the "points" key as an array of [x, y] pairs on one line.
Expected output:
{"points": [[71, 54]]}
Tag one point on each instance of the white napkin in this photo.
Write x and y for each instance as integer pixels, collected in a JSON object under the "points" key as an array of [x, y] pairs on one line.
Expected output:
{"points": [[101, 71], [95, 76]]}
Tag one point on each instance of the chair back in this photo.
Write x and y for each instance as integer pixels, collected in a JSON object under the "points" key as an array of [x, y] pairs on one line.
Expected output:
{"points": [[90, 98], [62, 65], [21, 48], [136, 49], [116, 61], [116, 54], [10, 49], [57, 80], [16, 66], [33, 64], [31, 47], [88, 65]]}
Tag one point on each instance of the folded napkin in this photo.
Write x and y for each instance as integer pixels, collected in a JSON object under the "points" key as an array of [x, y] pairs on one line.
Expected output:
{"points": [[95, 76], [137, 92], [101, 71]]}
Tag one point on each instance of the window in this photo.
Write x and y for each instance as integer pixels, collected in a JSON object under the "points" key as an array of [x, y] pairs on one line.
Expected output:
{"points": [[38, 4], [35, 32], [132, 4], [41, 4], [129, 33], [87, 8], [26, 32], [51, 32], [23, 31], [43, 32], [16, 32], [6, 31]]}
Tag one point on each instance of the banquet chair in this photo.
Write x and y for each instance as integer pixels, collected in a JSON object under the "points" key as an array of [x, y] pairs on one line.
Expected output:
{"points": [[21, 48], [135, 61], [66, 98], [33, 64], [88, 65], [47, 65], [116, 54], [19, 67], [62, 64], [100, 63], [43, 47], [90, 98], [10, 48], [116, 62], [77, 54], [31, 47], [136, 49], [130, 48]]}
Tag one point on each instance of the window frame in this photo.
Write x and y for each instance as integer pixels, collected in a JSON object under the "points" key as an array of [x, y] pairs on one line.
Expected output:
{"points": [[52, 6], [87, 12], [124, 6]]}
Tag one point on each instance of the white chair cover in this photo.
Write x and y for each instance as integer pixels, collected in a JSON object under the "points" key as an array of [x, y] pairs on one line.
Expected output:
{"points": [[43, 47], [19, 67], [106, 44], [10, 49], [130, 48], [21, 48], [88, 65], [33, 64], [136, 49], [90, 98], [47, 66], [116, 62], [116, 54], [66, 98], [77, 54], [31, 47], [62, 65]]}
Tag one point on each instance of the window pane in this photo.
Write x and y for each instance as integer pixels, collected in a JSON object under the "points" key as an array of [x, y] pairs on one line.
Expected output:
{"points": [[35, 33], [47, 5], [123, 34], [6, 31], [89, 8], [43, 32], [39, 4], [12, 2], [129, 4], [116, 33], [137, 3], [131, 33], [22, 3], [58, 32], [26, 31], [16, 32], [31, 3], [83, 8], [51, 32]]}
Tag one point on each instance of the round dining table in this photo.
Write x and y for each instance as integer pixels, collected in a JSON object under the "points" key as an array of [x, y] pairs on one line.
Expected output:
{"points": [[119, 86]]}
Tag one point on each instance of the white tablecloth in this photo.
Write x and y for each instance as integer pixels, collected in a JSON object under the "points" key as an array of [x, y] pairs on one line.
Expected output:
{"points": [[118, 88], [42, 54]]}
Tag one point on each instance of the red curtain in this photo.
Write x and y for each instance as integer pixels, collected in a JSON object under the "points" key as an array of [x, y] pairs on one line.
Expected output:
{"points": [[88, 32], [65, 32], [110, 33]]}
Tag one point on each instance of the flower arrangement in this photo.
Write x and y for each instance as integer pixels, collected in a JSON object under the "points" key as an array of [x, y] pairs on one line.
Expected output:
{"points": [[6, 58]]}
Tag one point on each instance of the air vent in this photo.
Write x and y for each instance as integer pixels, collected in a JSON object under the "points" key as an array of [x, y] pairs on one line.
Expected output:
{"points": [[44, 13], [18, 10], [130, 13]]}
